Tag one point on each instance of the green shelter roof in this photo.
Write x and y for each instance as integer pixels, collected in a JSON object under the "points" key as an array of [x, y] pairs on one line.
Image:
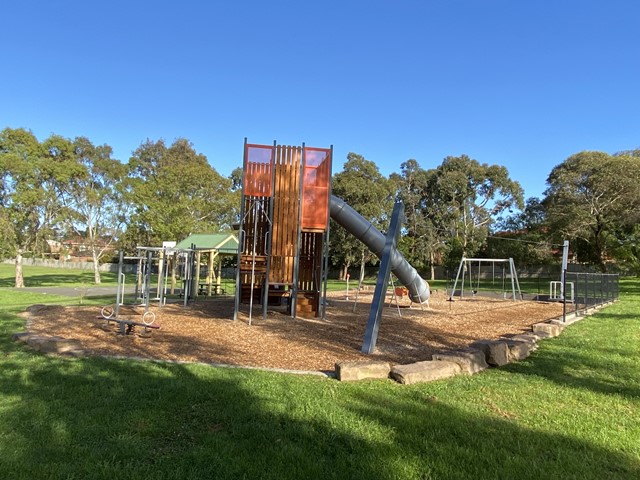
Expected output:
{"points": [[223, 242]]}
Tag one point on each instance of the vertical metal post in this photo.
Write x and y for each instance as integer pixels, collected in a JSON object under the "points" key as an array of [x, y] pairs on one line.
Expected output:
{"points": [[565, 261], [464, 271], [564, 297], [269, 233], [253, 258], [147, 281], [196, 279], [120, 284], [241, 238], [325, 239], [160, 275], [296, 261], [601, 289], [165, 277], [586, 292], [138, 275], [324, 274], [186, 283]]}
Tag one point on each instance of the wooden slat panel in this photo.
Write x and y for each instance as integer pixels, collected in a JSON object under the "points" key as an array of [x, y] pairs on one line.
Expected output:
{"points": [[285, 214]]}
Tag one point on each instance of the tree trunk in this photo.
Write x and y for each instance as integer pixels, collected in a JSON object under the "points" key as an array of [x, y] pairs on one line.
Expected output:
{"points": [[431, 266], [96, 266], [19, 276], [344, 270], [174, 272], [599, 248], [362, 262]]}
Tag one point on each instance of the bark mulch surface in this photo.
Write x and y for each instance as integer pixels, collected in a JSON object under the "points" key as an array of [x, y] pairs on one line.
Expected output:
{"points": [[205, 331]]}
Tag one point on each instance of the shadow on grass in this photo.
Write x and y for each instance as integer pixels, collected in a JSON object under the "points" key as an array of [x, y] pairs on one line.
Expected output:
{"points": [[110, 419]]}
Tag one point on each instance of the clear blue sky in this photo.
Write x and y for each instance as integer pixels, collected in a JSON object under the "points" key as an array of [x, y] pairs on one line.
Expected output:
{"points": [[518, 83]]}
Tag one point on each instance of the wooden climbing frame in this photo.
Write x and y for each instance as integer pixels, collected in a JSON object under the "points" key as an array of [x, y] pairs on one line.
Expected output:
{"points": [[284, 227]]}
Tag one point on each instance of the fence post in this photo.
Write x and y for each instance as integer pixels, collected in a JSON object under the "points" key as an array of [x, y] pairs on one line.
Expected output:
{"points": [[586, 293], [564, 296]]}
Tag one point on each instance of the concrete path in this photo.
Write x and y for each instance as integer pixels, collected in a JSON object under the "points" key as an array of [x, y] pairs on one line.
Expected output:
{"points": [[94, 291]]}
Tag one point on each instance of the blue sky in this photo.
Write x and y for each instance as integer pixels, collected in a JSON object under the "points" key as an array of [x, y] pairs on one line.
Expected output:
{"points": [[517, 83]]}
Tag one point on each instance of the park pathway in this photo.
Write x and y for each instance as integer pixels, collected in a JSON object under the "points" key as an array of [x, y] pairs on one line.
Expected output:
{"points": [[95, 291]]}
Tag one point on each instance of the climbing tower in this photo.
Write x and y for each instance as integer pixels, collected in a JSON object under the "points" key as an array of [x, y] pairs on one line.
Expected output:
{"points": [[284, 228]]}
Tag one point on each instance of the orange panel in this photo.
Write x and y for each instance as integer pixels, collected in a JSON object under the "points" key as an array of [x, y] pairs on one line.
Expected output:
{"points": [[315, 188], [258, 168]]}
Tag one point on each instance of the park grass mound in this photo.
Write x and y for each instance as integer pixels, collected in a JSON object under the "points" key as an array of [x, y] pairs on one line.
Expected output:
{"points": [[205, 332]]}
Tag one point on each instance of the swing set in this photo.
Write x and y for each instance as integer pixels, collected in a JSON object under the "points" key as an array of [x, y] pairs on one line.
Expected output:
{"points": [[506, 273]]}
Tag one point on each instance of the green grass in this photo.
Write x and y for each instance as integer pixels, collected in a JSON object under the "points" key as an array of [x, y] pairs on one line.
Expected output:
{"points": [[572, 410], [53, 277]]}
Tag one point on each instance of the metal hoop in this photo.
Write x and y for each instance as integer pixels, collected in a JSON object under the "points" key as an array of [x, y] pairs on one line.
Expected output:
{"points": [[107, 312], [148, 315]]}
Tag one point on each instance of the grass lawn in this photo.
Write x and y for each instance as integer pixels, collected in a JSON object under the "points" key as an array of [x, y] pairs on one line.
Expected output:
{"points": [[53, 277], [571, 410]]}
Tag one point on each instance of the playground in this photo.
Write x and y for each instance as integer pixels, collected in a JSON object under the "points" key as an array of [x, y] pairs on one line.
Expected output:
{"points": [[204, 331], [280, 314]]}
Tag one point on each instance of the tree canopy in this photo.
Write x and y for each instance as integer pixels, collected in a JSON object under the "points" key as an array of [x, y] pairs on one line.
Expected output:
{"points": [[362, 186], [451, 207], [59, 188], [421, 241], [93, 198], [33, 178], [174, 192], [591, 198]]}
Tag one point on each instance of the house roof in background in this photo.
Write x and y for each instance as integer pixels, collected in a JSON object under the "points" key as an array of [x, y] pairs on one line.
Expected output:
{"points": [[223, 242]]}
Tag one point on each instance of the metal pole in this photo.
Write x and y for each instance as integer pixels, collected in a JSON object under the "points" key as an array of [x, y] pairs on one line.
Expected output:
{"points": [[138, 275], [241, 238], [186, 284], [377, 304], [325, 239], [253, 258], [455, 283], [565, 261], [564, 297], [147, 282], [512, 268], [586, 293], [269, 232], [120, 284], [296, 261]]}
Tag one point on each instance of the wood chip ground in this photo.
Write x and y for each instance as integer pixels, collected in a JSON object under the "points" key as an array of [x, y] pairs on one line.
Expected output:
{"points": [[205, 331]]}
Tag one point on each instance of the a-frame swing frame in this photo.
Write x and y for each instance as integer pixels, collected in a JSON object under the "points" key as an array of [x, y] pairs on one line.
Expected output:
{"points": [[466, 264]]}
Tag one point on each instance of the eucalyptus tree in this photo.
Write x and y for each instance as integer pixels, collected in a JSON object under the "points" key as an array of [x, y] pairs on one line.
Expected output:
{"points": [[174, 192], [420, 241], [95, 209], [467, 196], [592, 198], [33, 174], [362, 186], [523, 236]]}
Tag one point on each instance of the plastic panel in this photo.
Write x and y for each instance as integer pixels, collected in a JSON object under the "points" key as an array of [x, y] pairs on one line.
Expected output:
{"points": [[315, 188], [257, 170]]}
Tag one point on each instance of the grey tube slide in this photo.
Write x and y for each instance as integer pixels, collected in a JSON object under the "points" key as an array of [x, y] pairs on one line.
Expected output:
{"points": [[361, 228]]}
